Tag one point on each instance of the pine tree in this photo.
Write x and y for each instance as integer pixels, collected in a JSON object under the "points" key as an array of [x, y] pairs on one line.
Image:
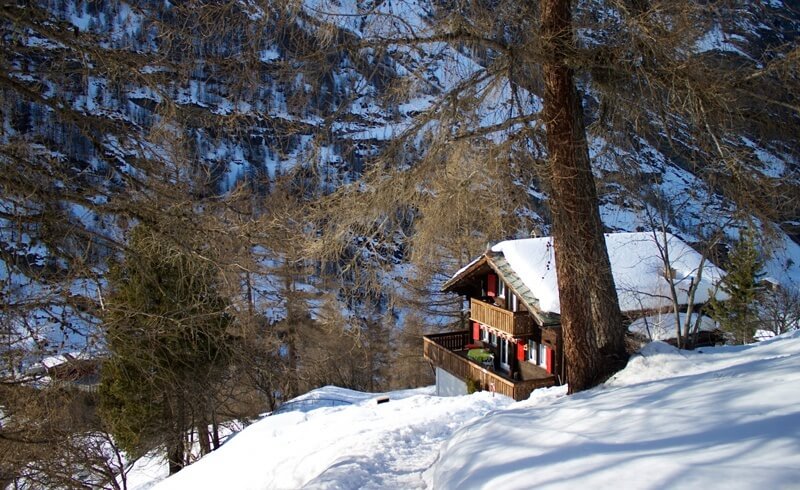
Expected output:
{"points": [[166, 327], [738, 315]]}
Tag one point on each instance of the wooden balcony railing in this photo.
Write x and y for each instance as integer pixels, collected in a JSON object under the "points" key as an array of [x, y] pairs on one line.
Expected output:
{"points": [[514, 323], [435, 351]]}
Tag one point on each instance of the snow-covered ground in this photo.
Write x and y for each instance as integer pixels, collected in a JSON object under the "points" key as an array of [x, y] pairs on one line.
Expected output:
{"points": [[721, 418], [363, 445], [726, 417]]}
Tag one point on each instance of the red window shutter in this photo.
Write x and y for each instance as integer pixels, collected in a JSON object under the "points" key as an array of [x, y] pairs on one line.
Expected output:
{"points": [[550, 355], [476, 331], [521, 350], [491, 285]]}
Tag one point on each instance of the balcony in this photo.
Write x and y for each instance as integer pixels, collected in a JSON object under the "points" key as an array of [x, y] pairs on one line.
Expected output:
{"points": [[514, 323], [448, 351]]}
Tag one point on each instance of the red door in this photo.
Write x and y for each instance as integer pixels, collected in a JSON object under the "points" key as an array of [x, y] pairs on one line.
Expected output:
{"points": [[551, 359]]}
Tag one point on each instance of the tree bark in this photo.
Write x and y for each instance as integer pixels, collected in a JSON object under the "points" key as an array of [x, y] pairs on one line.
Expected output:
{"points": [[590, 315], [203, 437], [215, 429], [175, 444], [175, 457]]}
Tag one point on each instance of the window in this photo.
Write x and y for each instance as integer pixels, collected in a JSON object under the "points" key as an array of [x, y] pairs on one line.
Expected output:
{"points": [[501, 289], [504, 348], [492, 338], [484, 334], [533, 349], [514, 302], [542, 355]]}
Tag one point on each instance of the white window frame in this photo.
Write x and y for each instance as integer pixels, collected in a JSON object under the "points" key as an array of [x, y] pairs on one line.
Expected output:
{"points": [[484, 334], [504, 358], [501, 288], [542, 355]]}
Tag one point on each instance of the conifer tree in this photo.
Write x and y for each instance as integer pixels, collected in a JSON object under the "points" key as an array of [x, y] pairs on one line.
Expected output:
{"points": [[738, 315], [166, 327]]}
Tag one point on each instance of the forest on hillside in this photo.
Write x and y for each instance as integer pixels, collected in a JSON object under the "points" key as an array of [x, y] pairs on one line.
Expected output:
{"points": [[229, 203]]}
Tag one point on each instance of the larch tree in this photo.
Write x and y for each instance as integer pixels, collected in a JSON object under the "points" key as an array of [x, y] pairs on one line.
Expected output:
{"points": [[520, 79], [591, 319], [590, 316]]}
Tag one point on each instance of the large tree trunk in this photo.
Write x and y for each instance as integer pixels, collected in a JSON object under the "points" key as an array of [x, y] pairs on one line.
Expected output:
{"points": [[590, 316]]}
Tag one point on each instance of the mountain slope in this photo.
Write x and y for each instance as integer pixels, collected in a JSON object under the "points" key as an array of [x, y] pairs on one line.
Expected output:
{"points": [[102, 99], [724, 417]]}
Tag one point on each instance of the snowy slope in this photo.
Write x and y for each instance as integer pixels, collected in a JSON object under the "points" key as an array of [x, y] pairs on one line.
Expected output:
{"points": [[721, 418], [365, 445], [725, 417], [325, 122]]}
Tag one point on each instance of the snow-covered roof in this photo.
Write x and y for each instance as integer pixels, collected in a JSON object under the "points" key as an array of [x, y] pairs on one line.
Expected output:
{"points": [[57, 360], [762, 335], [662, 326], [636, 263]]}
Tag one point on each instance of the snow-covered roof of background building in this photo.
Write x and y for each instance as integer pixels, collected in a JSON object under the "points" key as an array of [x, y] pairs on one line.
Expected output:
{"points": [[662, 326], [636, 263]]}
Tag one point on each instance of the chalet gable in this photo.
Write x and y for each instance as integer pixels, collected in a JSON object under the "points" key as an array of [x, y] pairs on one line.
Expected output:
{"points": [[467, 281]]}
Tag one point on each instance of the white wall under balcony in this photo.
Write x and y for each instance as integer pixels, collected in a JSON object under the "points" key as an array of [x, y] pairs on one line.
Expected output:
{"points": [[449, 385]]}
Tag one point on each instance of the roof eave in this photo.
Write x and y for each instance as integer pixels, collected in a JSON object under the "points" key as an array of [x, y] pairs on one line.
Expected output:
{"points": [[463, 273], [545, 319]]}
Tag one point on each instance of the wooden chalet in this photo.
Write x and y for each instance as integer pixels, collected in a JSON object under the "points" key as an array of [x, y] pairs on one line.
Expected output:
{"points": [[514, 341], [76, 371]]}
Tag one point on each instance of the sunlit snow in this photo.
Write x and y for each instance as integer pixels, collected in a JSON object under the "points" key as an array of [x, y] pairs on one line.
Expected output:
{"points": [[724, 417], [636, 263]]}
